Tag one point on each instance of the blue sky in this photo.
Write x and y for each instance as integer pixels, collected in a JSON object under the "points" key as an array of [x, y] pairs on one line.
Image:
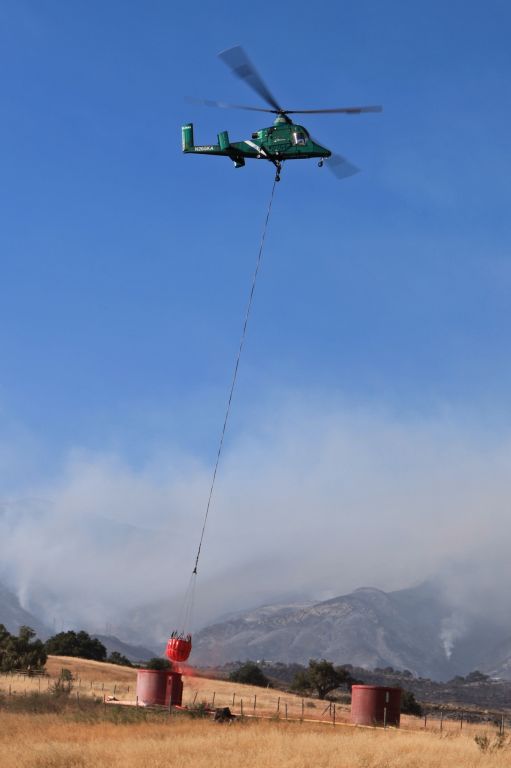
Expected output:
{"points": [[125, 265]]}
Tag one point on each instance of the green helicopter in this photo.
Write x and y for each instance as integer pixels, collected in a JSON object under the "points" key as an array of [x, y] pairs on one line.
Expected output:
{"points": [[284, 140]]}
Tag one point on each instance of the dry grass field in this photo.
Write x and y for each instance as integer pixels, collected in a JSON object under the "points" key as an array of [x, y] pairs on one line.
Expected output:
{"points": [[48, 741], [84, 735]]}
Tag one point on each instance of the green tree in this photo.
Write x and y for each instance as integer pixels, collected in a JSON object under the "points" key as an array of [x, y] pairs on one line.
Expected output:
{"points": [[409, 704], [79, 644], [118, 658], [157, 662], [249, 674], [21, 652], [321, 677]]}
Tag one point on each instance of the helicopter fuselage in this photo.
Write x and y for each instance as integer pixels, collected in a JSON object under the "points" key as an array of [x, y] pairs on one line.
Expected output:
{"points": [[282, 141]]}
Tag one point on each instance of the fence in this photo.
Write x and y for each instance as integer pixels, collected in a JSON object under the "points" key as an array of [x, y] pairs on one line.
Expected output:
{"points": [[268, 704]]}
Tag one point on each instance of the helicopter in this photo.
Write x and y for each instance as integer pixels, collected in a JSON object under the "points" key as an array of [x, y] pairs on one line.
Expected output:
{"points": [[284, 140]]}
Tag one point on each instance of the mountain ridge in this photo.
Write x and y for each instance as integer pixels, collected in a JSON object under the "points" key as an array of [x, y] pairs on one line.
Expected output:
{"points": [[368, 627]]}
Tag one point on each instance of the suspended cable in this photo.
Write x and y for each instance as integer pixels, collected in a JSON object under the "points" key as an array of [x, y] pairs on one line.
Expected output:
{"points": [[235, 373]]}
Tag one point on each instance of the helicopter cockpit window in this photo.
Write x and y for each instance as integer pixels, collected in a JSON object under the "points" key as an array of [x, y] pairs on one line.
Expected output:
{"points": [[299, 138]]}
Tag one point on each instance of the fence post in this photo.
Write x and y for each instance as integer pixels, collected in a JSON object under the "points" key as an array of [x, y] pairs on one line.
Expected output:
{"points": [[441, 720], [461, 722], [425, 721], [233, 696], [303, 708], [255, 702], [241, 706], [502, 726], [136, 703], [278, 704], [333, 719], [195, 697], [213, 700], [384, 717], [286, 710]]}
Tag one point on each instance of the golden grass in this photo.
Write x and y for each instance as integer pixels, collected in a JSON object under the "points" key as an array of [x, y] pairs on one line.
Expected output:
{"points": [[93, 678], [47, 741], [78, 739]]}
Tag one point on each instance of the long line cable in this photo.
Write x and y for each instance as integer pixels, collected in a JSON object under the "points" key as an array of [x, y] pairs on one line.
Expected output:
{"points": [[235, 373]]}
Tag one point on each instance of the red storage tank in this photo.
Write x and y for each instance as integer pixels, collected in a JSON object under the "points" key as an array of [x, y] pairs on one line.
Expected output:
{"points": [[375, 705], [175, 689], [157, 686]]}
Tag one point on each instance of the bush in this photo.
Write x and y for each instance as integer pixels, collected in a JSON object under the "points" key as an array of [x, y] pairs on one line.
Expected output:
{"points": [[410, 705], [118, 658], [486, 745], [79, 644], [249, 674], [157, 662], [63, 685]]}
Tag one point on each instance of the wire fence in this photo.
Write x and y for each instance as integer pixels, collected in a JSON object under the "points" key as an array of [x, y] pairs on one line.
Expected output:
{"points": [[269, 704]]}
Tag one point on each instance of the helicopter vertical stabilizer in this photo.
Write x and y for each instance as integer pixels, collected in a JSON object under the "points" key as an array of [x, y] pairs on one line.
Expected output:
{"points": [[223, 140], [187, 137]]}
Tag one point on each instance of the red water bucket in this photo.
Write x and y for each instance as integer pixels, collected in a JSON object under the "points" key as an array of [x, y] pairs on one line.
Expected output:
{"points": [[179, 648]]}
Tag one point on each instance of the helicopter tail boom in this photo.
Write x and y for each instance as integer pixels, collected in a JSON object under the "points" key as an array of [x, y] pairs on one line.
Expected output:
{"points": [[224, 147]]}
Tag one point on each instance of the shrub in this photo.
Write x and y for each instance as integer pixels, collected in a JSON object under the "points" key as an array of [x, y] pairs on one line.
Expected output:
{"points": [[249, 674], [157, 662], [63, 685], [118, 658], [410, 705]]}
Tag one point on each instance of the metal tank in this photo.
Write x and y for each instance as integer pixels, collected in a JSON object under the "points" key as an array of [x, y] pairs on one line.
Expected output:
{"points": [[175, 689], [158, 686], [375, 705]]}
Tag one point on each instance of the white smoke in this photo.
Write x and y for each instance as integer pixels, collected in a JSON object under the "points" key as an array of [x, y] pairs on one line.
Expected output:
{"points": [[452, 629], [314, 499]]}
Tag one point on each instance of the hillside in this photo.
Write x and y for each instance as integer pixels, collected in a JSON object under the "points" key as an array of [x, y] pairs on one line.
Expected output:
{"points": [[366, 628], [13, 616]]}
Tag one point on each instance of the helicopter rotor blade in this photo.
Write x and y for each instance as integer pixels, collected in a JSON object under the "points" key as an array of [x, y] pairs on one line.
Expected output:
{"points": [[336, 110], [337, 164], [340, 167], [225, 105], [241, 66]]}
